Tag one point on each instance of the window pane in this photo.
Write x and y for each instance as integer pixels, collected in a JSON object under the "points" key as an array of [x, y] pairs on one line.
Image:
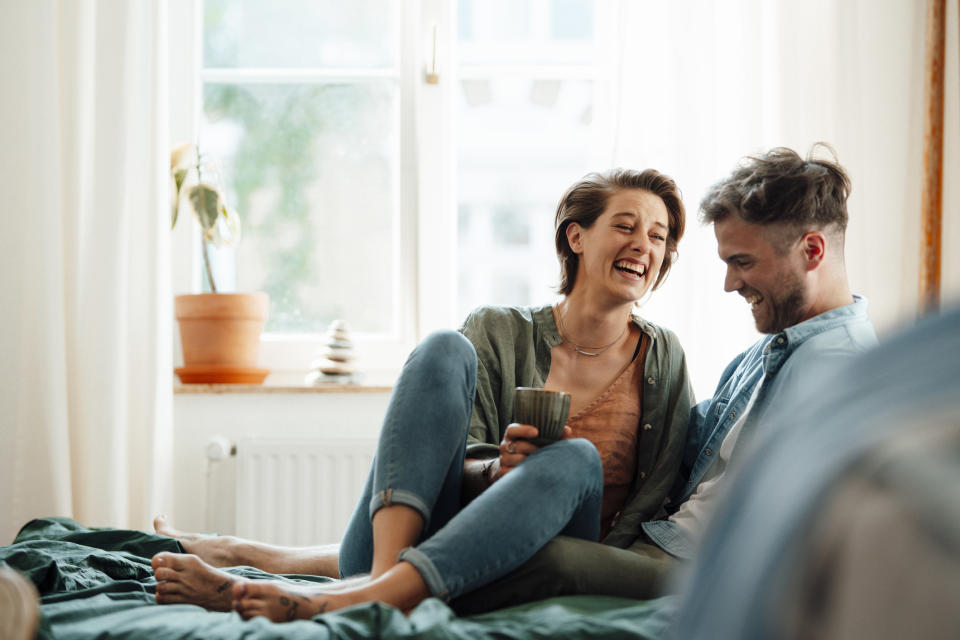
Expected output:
{"points": [[571, 19], [299, 33], [512, 169], [311, 170], [494, 20], [524, 32]]}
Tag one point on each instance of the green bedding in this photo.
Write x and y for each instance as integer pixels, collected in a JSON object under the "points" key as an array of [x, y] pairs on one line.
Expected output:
{"points": [[97, 583]]}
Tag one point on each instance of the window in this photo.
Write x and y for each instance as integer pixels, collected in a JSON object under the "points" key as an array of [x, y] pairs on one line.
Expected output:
{"points": [[301, 106], [369, 194], [525, 132]]}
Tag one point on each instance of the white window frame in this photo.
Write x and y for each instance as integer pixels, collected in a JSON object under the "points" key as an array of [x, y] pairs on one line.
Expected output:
{"points": [[425, 240]]}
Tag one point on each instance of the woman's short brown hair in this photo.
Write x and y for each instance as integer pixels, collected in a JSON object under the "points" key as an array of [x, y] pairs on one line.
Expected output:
{"points": [[587, 198]]}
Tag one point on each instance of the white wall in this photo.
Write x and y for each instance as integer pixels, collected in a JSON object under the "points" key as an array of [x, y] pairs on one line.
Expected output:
{"points": [[754, 74], [200, 417], [881, 143]]}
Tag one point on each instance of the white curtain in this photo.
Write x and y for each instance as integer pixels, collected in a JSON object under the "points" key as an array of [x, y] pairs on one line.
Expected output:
{"points": [[85, 378], [699, 84]]}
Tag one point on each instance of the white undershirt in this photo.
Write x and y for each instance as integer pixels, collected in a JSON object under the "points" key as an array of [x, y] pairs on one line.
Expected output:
{"points": [[692, 516]]}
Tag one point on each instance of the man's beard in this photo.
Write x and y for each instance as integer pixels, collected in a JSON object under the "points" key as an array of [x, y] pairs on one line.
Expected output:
{"points": [[786, 305]]}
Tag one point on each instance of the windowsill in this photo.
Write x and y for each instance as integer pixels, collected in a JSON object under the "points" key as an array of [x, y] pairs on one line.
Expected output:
{"points": [[332, 387], [281, 381]]}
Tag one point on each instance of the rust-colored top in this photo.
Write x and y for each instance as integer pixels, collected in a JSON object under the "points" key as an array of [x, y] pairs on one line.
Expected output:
{"points": [[611, 423]]}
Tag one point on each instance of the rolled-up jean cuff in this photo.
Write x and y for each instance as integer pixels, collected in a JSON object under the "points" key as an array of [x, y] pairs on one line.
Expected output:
{"points": [[428, 571], [389, 497]]}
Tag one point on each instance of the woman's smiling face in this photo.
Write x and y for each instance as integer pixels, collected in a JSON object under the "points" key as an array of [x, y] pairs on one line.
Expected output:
{"points": [[620, 255]]}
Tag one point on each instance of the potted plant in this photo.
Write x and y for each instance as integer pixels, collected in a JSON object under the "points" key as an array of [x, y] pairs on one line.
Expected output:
{"points": [[219, 332]]}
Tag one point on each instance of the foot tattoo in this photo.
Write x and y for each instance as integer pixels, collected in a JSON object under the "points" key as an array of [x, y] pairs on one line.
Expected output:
{"points": [[292, 611], [278, 602]]}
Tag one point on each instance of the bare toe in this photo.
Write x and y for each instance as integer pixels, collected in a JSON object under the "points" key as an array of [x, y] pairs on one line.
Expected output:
{"points": [[161, 560], [162, 526]]}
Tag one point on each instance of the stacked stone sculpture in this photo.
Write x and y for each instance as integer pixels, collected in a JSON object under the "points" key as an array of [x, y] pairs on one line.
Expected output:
{"points": [[335, 364]]}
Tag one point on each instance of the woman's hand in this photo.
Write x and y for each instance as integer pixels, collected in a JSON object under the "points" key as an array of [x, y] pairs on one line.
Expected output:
{"points": [[516, 446]]}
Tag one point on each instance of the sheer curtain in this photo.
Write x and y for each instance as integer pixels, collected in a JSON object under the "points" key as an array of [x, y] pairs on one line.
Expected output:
{"points": [[699, 84], [85, 375]]}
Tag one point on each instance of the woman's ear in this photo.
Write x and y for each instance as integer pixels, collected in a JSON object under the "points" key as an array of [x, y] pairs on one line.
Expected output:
{"points": [[575, 237]]}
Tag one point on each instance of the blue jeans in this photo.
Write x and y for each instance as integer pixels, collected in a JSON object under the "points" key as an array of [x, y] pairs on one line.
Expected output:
{"points": [[419, 463]]}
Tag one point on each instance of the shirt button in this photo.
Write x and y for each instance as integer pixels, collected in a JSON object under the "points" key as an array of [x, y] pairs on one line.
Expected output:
{"points": [[650, 380], [733, 414], [647, 427], [708, 452], [643, 475], [780, 340]]}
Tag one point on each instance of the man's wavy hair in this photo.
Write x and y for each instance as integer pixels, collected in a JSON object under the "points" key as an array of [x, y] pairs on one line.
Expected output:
{"points": [[587, 198], [785, 192]]}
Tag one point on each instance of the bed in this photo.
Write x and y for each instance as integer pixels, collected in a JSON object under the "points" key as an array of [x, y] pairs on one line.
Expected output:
{"points": [[98, 583]]}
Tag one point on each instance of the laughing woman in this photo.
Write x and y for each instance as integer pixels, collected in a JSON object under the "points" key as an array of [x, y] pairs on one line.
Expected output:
{"points": [[458, 497]]}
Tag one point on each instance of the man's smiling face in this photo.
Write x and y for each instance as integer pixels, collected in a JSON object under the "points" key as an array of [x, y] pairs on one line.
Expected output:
{"points": [[772, 282]]}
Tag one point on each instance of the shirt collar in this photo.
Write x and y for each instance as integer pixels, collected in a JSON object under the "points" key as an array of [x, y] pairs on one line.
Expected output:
{"points": [[827, 320], [780, 345]]}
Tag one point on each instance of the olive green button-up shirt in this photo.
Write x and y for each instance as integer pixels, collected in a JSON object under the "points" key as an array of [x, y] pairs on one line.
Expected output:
{"points": [[514, 350]]}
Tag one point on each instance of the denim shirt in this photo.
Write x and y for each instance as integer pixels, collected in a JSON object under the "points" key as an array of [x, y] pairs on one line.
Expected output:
{"points": [[789, 363], [764, 534]]}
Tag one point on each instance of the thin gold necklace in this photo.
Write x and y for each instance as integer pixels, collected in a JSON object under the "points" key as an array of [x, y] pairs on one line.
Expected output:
{"points": [[594, 351]]}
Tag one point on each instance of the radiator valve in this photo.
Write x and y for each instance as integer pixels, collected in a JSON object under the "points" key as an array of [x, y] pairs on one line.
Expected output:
{"points": [[219, 447]]}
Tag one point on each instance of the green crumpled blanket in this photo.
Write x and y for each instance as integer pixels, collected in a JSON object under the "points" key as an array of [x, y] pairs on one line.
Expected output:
{"points": [[98, 583]]}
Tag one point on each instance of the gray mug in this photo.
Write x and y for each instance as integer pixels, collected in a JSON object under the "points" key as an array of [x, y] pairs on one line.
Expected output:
{"points": [[546, 410]]}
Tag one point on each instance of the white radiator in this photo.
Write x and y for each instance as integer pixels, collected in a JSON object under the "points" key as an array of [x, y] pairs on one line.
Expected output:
{"points": [[293, 492]]}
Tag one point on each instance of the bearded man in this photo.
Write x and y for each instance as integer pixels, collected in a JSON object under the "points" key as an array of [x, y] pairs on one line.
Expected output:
{"points": [[780, 222]]}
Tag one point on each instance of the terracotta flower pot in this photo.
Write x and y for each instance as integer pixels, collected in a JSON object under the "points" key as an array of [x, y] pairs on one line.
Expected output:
{"points": [[220, 335]]}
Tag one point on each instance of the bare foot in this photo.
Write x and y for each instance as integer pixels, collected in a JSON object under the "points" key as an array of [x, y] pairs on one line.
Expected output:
{"points": [[230, 551], [186, 579], [402, 587], [217, 551], [283, 603]]}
